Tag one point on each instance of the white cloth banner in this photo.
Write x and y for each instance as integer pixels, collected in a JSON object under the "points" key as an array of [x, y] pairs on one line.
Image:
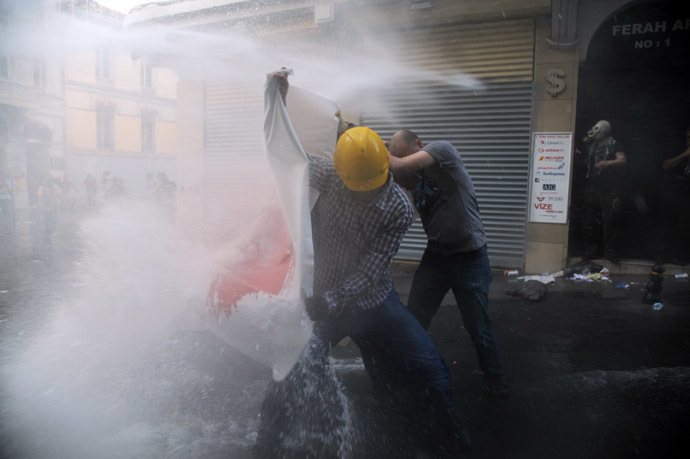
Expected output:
{"points": [[256, 306]]}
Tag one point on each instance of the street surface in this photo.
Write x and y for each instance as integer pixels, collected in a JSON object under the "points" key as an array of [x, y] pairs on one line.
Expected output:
{"points": [[593, 372]]}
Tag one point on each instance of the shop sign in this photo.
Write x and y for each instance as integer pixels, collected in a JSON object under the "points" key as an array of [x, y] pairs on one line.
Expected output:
{"points": [[649, 34], [551, 153]]}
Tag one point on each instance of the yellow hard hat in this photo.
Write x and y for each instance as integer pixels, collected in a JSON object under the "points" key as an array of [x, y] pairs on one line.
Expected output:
{"points": [[361, 159]]}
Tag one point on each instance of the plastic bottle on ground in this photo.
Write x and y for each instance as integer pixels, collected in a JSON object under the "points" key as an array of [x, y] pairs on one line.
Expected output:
{"points": [[657, 306]]}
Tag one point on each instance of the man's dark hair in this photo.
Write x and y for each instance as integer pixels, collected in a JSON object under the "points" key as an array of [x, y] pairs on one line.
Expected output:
{"points": [[409, 137]]}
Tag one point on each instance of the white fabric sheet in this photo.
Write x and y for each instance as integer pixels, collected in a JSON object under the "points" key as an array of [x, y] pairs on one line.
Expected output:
{"points": [[245, 307]]}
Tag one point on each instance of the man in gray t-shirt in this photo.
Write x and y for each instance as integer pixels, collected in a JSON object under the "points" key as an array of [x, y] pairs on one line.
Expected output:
{"points": [[456, 256]]}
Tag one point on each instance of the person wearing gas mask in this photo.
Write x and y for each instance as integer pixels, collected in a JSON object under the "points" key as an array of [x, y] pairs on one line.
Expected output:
{"points": [[606, 165]]}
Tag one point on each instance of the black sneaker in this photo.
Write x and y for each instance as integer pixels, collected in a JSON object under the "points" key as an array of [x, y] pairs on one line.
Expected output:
{"points": [[456, 442], [461, 442], [447, 439], [495, 388]]}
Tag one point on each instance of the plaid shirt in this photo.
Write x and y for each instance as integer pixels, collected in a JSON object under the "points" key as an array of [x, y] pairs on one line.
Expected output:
{"points": [[355, 240]]}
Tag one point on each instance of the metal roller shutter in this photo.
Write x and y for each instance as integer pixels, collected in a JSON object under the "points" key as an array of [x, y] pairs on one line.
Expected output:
{"points": [[490, 125], [234, 160]]}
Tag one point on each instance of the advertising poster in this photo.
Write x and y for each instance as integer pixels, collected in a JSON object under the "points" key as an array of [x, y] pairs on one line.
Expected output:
{"points": [[550, 177]]}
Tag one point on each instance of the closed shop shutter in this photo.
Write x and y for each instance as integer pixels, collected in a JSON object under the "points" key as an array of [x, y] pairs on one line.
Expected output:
{"points": [[234, 159], [490, 124]]}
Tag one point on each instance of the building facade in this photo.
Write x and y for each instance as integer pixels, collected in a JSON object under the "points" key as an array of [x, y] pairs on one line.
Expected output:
{"points": [[74, 100], [489, 79], [120, 111], [31, 101], [120, 116]]}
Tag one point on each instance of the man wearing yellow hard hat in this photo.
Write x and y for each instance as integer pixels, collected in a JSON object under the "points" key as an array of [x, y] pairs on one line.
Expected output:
{"points": [[363, 216]]}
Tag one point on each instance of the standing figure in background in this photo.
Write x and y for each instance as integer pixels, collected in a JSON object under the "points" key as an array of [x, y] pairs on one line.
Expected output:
{"points": [[119, 189], [107, 184], [606, 166], [91, 191], [49, 198], [675, 232], [164, 193], [456, 255], [66, 188], [150, 183], [6, 202]]}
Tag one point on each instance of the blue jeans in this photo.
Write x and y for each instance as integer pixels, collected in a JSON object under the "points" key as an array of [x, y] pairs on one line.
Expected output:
{"points": [[397, 352], [398, 355], [469, 276]]}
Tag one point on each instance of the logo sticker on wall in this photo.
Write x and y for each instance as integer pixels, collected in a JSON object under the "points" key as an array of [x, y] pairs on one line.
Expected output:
{"points": [[555, 82], [551, 174]]}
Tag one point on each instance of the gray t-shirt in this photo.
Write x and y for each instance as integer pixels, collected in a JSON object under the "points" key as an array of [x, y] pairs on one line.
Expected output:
{"points": [[445, 199]]}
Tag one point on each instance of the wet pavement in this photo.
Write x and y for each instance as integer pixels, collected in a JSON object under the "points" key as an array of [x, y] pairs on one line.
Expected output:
{"points": [[593, 372], [186, 395]]}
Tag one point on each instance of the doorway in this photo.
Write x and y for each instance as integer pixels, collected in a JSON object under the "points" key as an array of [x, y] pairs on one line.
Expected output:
{"points": [[636, 77]]}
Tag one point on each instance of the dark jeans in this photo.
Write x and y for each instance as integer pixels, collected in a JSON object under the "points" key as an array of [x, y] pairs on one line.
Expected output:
{"points": [[469, 276], [674, 230], [7, 215], [397, 352], [601, 222], [49, 223]]}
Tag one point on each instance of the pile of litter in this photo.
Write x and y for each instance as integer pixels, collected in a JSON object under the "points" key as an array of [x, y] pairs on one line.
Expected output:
{"points": [[625, 284], [586, 271], [535, 288]]}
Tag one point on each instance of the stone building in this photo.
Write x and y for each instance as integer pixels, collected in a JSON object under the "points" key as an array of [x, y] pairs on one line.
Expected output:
{"points": [[494, 78]]}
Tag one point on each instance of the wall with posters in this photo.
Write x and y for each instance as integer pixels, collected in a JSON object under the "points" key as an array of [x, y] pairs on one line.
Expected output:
{"points": [[629, 65], [550, 179], [546, 248]]}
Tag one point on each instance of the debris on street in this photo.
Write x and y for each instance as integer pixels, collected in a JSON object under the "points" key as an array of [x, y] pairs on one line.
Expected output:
{"points": [[543, 278], [531, 290]]}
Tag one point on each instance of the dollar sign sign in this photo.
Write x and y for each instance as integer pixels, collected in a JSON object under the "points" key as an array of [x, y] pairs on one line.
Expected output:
{"points": [[555, 84]]}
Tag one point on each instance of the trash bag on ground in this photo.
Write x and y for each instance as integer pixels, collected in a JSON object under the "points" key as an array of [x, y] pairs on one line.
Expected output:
{"points": [[584, 267], [531, 290]]}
